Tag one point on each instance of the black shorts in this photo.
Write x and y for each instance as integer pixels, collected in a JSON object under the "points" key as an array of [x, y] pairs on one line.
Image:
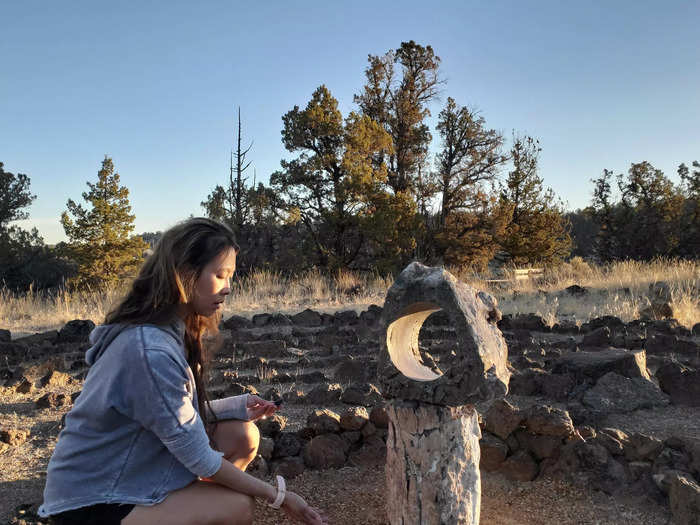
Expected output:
{"points": [[100, 514]]}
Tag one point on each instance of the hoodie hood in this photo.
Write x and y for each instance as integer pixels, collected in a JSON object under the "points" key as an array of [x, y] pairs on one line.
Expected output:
{"points": [[102, 336]]}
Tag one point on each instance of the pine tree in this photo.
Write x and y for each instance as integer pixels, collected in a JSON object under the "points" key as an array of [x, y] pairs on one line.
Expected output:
{"points": [[100, 236], [537, 232], [470, 220]]}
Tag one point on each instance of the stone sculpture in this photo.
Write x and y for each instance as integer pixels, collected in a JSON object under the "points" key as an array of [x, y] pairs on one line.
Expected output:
{"points": [[432, 466]]}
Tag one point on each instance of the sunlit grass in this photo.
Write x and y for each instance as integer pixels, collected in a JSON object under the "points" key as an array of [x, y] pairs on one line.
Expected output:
{"points": [[620, 289]]}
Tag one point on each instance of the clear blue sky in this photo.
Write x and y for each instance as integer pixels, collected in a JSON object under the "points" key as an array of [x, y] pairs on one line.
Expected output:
{"points": [[155, 86]]}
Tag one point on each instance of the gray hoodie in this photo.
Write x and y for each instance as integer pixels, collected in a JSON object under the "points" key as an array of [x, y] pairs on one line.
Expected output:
{"points": [[134, 434]]}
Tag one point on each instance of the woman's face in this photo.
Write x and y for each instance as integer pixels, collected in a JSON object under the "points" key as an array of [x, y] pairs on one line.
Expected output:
{"points": [[214, 284]]}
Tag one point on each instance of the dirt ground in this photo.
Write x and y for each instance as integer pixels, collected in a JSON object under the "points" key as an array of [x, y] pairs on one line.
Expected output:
{"points": [[350, 495]]}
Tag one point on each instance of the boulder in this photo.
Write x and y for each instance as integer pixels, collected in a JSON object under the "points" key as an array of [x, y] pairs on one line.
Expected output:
{"points": [[502, 418], [527, 382], [684, 499], [354, 370], [549, 421], [593, 365], [541, 447], [657, 311], [346, 317], [379, 416], [5, 336], [307, 318], [76, 331], [288, 467], [272, 425], [268, 348], [286, 444], [531, 322], [323, 422], [56, 378], [372, 453], [476, 371], [266, 447], [365, 394], [576, 290], [640, 447], [493, 452], [236, 322], [14, 436], [615, 393], [324, 394], [53, 400], [519, 467], [327, 450], [597, 338], [680, 382], [354, 418]]}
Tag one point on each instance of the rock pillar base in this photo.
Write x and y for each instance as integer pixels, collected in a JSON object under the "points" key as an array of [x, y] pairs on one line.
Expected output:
{"points": [[432, 464]]}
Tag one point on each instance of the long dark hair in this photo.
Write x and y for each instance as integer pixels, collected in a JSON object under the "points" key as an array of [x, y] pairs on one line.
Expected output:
{"points": [[167, 279]]}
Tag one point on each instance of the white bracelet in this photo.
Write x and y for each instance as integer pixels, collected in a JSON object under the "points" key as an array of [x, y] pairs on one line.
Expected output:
{"points": [[281, 493]]}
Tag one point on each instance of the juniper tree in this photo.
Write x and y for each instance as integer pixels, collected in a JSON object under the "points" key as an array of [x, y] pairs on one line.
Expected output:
{"points": [[470, 221], [537, 231]]}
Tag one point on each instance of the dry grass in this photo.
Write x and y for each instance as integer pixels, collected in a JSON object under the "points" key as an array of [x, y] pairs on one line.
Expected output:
{"points": [[619, 289]]}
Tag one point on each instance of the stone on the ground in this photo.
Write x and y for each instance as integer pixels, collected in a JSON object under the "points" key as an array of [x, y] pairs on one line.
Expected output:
{"points": [[541, 446], [75, 331], [272, 425], [323, 421], [14, 436], [614, 393], [24, 387], [493, 452], [266, 447], [5, 336], [324, 394], [476, 371], [307, 318], [354, 418], [288, 467], [593, 365], [549, 421], [352, 370], [53, 400], [379, 416], [287, 444], [372, 452], [680, 382], [56, 378], [502, 418], [236, 321], [365, 394], [519, 467], [327, 450], [641, 447], [684, 498]]}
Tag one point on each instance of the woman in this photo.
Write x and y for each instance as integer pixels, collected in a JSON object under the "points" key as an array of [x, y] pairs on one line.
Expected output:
{"points": [[135, 448]]}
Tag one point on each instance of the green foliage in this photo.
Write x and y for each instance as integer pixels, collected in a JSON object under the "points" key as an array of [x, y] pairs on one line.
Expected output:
{"points": [[689, 243], [400, 105], [537, 231], [14, 196], [470, 221], [100, 236], [24, 259], [336, 187]]}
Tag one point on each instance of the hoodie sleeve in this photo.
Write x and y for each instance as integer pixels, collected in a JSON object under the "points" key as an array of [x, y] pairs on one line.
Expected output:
{"points": [[159, 399], [229, 408]]}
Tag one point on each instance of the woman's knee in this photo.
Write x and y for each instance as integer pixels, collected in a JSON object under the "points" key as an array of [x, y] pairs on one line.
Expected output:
{"points": [[240, 511], [238, 439]]}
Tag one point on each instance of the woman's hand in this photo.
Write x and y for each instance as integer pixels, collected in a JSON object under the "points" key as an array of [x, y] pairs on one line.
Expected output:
{"points": [[257, 407], [297, 509]]}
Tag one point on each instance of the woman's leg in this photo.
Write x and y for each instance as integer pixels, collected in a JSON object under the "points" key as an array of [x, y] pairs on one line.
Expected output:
{"points": [[203, 502], [238, 440], [199, 503]]}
